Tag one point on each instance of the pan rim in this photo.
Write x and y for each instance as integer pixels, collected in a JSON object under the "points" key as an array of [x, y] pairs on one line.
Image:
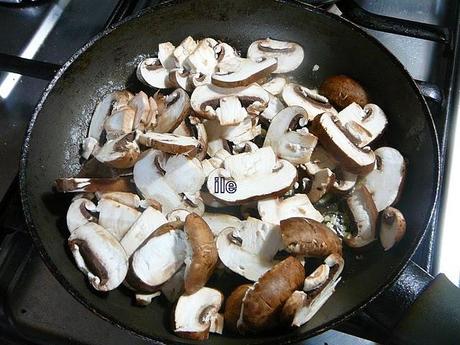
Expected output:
{"points": [[285, 338]]}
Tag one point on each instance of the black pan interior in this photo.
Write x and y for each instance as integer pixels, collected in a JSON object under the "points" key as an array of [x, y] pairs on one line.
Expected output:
{"points": [[338, 47]]}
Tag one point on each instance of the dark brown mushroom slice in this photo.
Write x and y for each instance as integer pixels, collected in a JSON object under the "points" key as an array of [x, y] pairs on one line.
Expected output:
{"points": [[92, 185], [342, 90]]}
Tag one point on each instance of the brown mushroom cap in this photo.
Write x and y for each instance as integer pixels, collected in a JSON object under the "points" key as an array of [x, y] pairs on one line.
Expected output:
{"points": [[204, 253], [307, 237], [342, 91], [233, 307], [264, 300]]}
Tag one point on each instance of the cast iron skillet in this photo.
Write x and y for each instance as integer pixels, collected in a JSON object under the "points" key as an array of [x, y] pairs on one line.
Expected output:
{"points": [[107, 63]]}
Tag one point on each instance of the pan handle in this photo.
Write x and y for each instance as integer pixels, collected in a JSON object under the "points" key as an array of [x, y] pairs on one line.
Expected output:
{"points": [[26, 67], [419, 309]]}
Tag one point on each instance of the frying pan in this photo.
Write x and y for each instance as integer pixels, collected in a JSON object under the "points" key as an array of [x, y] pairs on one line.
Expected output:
{"points": [[108, 62]]}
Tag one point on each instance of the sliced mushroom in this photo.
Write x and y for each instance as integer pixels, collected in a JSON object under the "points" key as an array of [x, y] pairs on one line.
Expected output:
{"points": [[120, 122], [89, 147], [151, 73], [195, 314], [145, 299], [230, 112], [103, 110], [184, 174], [233, 307], [203, 253], [322, 182], [307, 237], [249, 249], [80, 213], [205, 99], [166, 55], [344, 181], [176, 106], [120, 153], [343, 90], [125, 198], [262, 303], [173, 288], [273, 108], [218, 222], [302, 306], [99, 256], [166, 247], [92, 185], [317, 278], [203, 58], [392, 227], [352, 158], [247, 164], [183, 50], [364, 212], [177, 215], [244, 131], [364, 125], [115, 217], [247, 72], [288, 54], [227, 57], [275, 210], [293, 146], [143, 227], [385, 182], [275, 86], [251, 182], [169, 143], [313, 103], [141, 105], [181, 78]]}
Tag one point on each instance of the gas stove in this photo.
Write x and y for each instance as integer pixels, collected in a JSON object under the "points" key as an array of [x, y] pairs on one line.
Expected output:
{"points": [[37, 37]]}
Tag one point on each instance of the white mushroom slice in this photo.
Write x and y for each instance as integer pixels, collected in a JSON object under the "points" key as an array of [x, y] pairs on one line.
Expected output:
{"points": [[203, 58], [151, 73], [273, 108], [176, 108], [322, 182], [289, 54], [181, 78], [121, 153], [205, 99], [392, 227], [302, 306], [247, 72], [256, 187], [115, 217], [364, 124], [202, 137], [246, 146], [352, 158], [195, 315], [230, 112], [183, 130], [103, 110], [79, 213], [167, 251], [151, 120], [249, 249], [257, 163], [119, 123], [365, 214], [183, 50], [125, 198], [141, 105], [149, 179], [99, 256], [177, 215], [166, 55], [217, 324], [227, 57], [146, 299], [214, 133], [173, 288], [385, 182], [275, 86], [242, 132], [143, 227], [274, 210], [89, 147], [313, 103], [317, 278], [184, 174], [220, 221], [169, 142], [296, 147], [344, 181], [320, 160]]}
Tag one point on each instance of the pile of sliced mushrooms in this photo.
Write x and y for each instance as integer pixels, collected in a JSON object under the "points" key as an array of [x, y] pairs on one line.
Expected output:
{"points": [[225, 163]]}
